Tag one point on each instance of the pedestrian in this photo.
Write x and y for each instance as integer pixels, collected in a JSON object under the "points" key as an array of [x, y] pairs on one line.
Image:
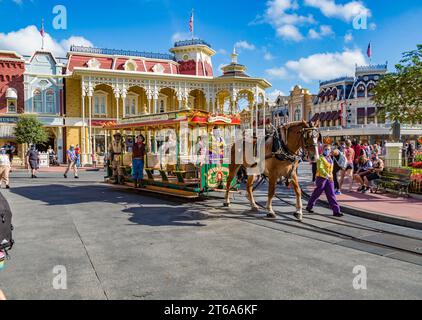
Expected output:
{"points": [[325, 183], [72, 159], [138, 156], [365, 167], [377, 169], [349, 153], [357, 148], [411, 153], [340, 163], [5, 167], [78, 156], [32, 161], [10, 150], [94, 160]]}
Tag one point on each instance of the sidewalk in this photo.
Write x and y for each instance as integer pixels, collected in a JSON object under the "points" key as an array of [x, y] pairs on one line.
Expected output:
{"points": [[61, 168], [386, 207]]}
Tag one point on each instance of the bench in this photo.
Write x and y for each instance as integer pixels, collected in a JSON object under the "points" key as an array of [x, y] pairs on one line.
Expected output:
{"points": [[394, 179]]}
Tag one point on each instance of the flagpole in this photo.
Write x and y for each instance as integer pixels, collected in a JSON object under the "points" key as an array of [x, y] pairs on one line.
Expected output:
{"points": [[193, 23], [42, 35]]}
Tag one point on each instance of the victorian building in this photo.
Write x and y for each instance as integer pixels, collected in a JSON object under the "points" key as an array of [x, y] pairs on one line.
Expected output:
{"points": [[280, 110], [345, 109], [300, 104], [105, 86], [44, 96], [12, 68]]}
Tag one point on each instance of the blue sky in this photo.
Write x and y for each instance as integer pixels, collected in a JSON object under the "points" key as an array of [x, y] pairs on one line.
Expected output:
{"points": [[286, 41]]}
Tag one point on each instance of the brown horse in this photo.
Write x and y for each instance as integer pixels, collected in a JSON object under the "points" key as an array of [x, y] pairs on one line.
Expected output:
{"points": [[282, 157]]}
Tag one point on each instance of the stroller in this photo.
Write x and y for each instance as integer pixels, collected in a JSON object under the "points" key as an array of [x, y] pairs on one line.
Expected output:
{"points": [[53, 161]]}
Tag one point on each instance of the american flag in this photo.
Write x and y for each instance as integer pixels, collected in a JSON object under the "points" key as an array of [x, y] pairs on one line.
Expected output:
{"points": [[42, 31], [191, 22], [369, 51]]}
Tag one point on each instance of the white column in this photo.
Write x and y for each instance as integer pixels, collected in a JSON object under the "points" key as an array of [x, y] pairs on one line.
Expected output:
{"points": [[117, 96], [89, 160], [83, 128]]}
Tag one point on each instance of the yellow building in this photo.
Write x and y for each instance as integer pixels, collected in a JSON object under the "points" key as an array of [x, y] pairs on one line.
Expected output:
{"points": [[300, 104], [105, 86]]}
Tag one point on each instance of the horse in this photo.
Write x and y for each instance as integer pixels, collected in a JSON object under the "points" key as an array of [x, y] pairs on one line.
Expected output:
{"points": [[282, 158]]}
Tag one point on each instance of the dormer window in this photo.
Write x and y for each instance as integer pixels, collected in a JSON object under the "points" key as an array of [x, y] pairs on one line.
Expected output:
{"points": [[158, 68], [130, 65], [94, 64], [361, 91]]}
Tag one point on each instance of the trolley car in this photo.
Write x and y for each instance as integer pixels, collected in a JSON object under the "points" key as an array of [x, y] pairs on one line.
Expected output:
{"points": [[185, 151]]}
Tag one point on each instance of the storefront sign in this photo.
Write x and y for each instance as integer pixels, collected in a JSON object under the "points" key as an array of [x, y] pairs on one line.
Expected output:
{"points": [[9, 119], [219, 119]]}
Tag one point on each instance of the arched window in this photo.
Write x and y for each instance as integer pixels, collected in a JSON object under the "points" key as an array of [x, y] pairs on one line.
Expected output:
{"points": [[131, 105], [162, 104], [50, 102], [37, 101], [361, 91], [100, 103], [371, 86], [298, 113]]}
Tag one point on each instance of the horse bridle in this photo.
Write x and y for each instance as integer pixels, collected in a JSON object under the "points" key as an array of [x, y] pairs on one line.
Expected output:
{"points": [[307, 133]]}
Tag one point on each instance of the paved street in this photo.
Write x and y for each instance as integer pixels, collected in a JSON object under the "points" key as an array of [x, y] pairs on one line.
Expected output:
{"points": [[120, 244]]}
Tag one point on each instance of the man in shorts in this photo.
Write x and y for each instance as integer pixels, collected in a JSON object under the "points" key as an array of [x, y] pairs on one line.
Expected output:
{"points": [[32, 160]]}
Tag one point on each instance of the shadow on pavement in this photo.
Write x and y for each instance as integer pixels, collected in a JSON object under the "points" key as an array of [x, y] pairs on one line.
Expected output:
{"points": [[151, 211]]}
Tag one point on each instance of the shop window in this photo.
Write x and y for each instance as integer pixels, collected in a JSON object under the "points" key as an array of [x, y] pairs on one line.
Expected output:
{"points": [[131, 107], [50, 102], [100, 103], [370, 115], [37, 101]]}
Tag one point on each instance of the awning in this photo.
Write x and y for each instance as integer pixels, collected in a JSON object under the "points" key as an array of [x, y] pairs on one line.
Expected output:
{"points": [[337, 116], [7, 132], [332, 115], [322, 116], [315, 117]]}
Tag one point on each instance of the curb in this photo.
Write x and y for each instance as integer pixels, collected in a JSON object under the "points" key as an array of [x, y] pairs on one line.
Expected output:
{"points": [[371, 215]]}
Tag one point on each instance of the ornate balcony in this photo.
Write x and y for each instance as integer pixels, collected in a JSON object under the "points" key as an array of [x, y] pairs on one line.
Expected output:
{"points": [[131, 53]]}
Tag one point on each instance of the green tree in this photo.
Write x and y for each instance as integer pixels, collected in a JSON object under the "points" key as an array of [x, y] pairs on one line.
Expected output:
{"points": [[399, 94], [29, 130]]}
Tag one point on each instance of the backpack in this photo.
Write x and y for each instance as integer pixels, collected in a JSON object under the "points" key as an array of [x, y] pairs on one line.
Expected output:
{"points": [[6, 227], [342, 161]]}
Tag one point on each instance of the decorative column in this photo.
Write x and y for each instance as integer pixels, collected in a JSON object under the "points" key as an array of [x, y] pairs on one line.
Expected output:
{"points": [[117, 96], [83, 126], [124, 94], [90, 94]]}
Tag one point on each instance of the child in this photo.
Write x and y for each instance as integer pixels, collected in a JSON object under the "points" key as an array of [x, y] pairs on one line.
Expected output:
{"points": [[325, 183], [94, 160]]}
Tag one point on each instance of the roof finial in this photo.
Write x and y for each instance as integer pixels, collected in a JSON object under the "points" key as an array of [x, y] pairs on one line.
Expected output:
{"points": [[234, 56]]}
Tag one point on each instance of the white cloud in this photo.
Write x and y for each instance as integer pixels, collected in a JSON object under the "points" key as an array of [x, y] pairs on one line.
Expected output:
{"points": [[244, 45], [280, 14], [27, 40], [222, 51], [348, 37], [273, 95], [324, 66], [323, 31], [347, 11], [279, 73], [290, 32]]}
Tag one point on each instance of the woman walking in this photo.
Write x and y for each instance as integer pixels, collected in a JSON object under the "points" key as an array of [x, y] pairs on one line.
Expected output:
{"points": [[325, 183], [5, 167], [349, 153]]}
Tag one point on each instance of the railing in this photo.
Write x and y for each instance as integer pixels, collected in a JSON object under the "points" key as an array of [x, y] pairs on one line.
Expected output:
{"points": [[149, 55], [375, 67], [341, 79], [191, 42]]}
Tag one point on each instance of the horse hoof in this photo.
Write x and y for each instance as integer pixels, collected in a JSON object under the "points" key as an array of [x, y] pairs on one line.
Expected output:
{"points": [[227, 205], [298, 216]]}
